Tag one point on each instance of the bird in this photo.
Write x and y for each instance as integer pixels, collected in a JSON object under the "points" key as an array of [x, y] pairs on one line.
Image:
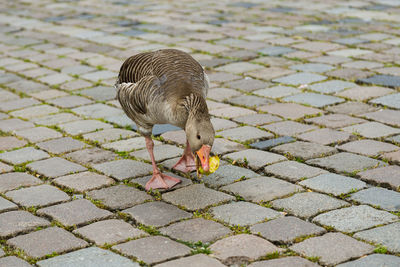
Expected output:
{"points": [[168, 86]]}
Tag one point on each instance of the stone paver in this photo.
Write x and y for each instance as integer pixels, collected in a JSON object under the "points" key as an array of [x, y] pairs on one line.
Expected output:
{"points": [[156, 213], [332, 248], [153, 249], [387, 236], [47, 241], [119, 196], [92, 256], [109, 232], [285, 230], [13, 261], [355, 218], [15, 222], [305, 91], [77, 212]]}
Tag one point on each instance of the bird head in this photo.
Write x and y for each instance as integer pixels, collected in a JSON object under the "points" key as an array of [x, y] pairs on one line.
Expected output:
{"points": [[200, 135]]}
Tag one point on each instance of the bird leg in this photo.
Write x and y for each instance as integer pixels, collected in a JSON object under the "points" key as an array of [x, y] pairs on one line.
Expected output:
{"points": [[158, 180], [187, 162]]}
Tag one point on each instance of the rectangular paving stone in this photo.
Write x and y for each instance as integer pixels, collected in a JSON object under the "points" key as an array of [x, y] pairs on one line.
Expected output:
{"points": [[41, 195], [265, 145], [354, 218], [61, 145], [386, 176], [326, 136], [153, 249], [109, 232], [286, 230], [373, 260], [190, 230], [47, 241], [312, 99], [250, 101], [198, 260], [293, 170], [308, 204], [5, 168], [130, 144], [227, 174], [372, 129], [161, 152], [361, 93], [335, 120], [156, 213], [312, 67], [387, 236], [254, 158], [257, 119], [277, 91], [351, 108], [223, 146], [290, 110], [23, 155], [195, 197], [83, 126], [243, 213], [38, 134], [379, 197], [231, 112], [243, 246], [55, 119], [14, 180], [55, 167], [388, 116], [18, 104], [346, 162], [97, 111], [384, 80], [304, 150], [262, 189], [300, 78], [76, 212], [70, 101], [331, 86], [35, 111], [91, 156], [332, 183], [92, 256], [15, 222], [244, 133], [13, 261], [123, 169], [83, 181], [11, 142], [100, 93], [289, 128], [108, 135], [6, 205], [119, 196], [332, 248], [285, 261], [368, 147]]}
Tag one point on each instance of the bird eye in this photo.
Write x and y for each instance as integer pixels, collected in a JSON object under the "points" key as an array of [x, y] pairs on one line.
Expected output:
{"points": [[198, 137]]}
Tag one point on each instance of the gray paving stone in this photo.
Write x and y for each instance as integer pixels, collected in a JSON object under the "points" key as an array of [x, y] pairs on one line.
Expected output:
{"points": [[308, 204], [387, 236], [335, 120], [61, 145], [169, 164], [391, 117], [250, 101], [109, 135], [361, 93], [13, 261], [354, 218], [192, 230], [228, 174], [223, 146], [384, 80], [130, 144], [276, 50], [156, 213], [15, 222], [326, 136], [243, 213], [83, 126], [293, 170], [247, 84], [198, 260], [380, 197], [5, 168], [386, 176], [47, 241], [331, 86], [283, 262], [353, 108], [290, 110], [83, 181], [312, 67], [315, 100], [123, 169], [242, 248], [35, 111], [222, 124], [91, 156], [11, 142], [346, 162], [161, 152], [119, 196], [245, 133], [262, 189], [14, 180], [88, 257], [70, 101], [153, 249], [254, 158], [195, 197], [109, 232], [38, 134], [332, 183], [100, 93], [23, 155], [55, 119], [18, 104], [26, 86], [300, 78], [304, 150], [6, 205], [264, 145], [41, 195], [257, 119], [277, 91], [372, 129], [97, 111], [286, 230], [373, 260], [332, 248], [55, 167], [368, 147], [288, 128], [76, 212]]}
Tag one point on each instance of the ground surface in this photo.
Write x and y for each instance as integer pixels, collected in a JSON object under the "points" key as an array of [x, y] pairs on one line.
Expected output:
{"points": [[306, 104]]}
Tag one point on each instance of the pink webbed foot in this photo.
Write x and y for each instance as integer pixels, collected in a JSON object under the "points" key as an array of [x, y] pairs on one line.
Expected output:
{"points": [[163, 181], [185, 164]]}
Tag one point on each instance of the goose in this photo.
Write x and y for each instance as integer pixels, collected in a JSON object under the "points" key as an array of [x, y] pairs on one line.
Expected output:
{"points": [[168, 86]]}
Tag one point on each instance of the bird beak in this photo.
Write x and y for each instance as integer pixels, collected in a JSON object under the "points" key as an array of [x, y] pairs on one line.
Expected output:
{"points": [[204, 156]]}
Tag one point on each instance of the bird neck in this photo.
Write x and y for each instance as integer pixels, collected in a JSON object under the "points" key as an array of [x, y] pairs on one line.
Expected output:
{"points": [[196, 106]]}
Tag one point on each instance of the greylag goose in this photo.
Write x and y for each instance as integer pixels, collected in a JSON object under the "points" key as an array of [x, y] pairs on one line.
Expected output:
{"points": [[168, 86]]}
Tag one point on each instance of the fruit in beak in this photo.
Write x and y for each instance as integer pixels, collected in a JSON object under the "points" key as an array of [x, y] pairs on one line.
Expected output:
{"points": [[204, 155]]}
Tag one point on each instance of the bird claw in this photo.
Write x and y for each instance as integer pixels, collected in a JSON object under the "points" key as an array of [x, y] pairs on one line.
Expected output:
{"points": [[162, 181], [185, 164]]}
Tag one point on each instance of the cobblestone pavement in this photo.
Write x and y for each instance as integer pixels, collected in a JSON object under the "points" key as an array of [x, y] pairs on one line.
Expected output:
{"points": [[305, 100]]}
